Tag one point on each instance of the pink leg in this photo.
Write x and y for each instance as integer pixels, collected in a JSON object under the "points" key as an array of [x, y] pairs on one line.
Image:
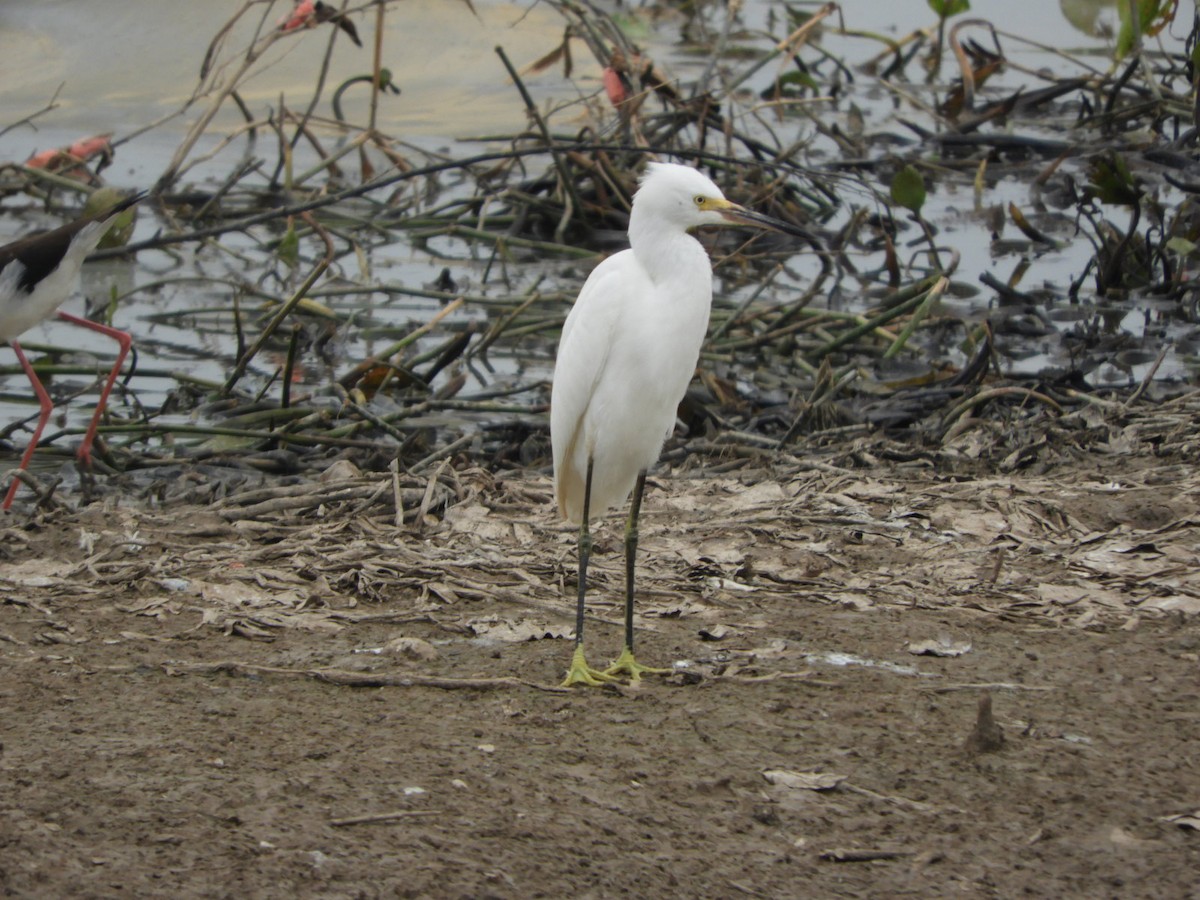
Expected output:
{"points": [[126, 341], [47, 407]]}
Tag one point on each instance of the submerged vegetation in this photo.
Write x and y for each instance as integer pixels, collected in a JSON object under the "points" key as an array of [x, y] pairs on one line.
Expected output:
{"points": [[878, 323]]}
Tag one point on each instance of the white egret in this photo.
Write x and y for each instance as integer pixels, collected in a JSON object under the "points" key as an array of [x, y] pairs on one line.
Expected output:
{"points": [[628, 350], [37, 273]]}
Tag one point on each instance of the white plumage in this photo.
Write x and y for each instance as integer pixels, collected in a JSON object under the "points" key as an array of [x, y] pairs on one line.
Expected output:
{"points": [[630, 345], [20, 308], [627, 353]]}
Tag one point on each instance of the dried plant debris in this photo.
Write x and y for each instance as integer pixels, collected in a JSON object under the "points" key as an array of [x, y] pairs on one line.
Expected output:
{"points": [[860, 328], [1091, 544]]}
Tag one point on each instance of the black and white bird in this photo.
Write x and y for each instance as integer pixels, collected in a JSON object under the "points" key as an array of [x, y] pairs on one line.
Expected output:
{"points": [[37, 273]]}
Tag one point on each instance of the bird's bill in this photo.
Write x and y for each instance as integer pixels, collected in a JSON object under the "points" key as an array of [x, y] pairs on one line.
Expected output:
{"points": [[739, 215]]}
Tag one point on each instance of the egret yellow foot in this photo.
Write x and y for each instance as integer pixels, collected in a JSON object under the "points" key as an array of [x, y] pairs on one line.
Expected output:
{"points": [[581, 673], [626, 664]]}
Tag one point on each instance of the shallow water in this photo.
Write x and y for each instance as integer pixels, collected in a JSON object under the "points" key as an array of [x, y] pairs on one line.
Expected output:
{"points": [[443, 60]]}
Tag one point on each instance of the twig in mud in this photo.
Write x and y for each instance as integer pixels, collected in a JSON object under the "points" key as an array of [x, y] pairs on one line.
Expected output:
{"points": [[986, 686], [373, 818], [360, 679], [845, 855]]}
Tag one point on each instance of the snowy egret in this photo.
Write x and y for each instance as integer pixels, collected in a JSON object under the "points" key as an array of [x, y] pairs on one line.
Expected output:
{"points": [[37, 273], [628, 350]]}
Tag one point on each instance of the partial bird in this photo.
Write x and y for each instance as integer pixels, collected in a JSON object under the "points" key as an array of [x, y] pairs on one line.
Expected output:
{"points": [[37, 273], [311, 13], [628, 350]]}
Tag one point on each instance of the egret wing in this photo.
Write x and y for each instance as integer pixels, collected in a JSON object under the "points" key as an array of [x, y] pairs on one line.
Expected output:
{"points": [[583, 353]]}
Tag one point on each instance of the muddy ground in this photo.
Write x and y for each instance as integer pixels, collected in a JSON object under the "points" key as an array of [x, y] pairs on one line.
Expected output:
{"points": [[241, 700]]}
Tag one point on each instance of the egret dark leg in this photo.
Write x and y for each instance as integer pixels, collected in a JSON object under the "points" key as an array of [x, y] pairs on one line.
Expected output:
{"points": [[585, 554], [631, 542], [625, 662], [580, 672]]}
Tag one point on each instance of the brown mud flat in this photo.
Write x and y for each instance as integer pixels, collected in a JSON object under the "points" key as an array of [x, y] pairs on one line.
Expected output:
{"points": [[196, 703]]}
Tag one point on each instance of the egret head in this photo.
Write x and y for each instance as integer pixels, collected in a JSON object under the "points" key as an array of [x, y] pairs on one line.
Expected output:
{"points": [[682, 197]]}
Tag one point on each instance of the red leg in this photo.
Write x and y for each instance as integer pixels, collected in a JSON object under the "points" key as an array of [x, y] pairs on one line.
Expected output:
{"points": [[126, 341], [47, 407]]}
